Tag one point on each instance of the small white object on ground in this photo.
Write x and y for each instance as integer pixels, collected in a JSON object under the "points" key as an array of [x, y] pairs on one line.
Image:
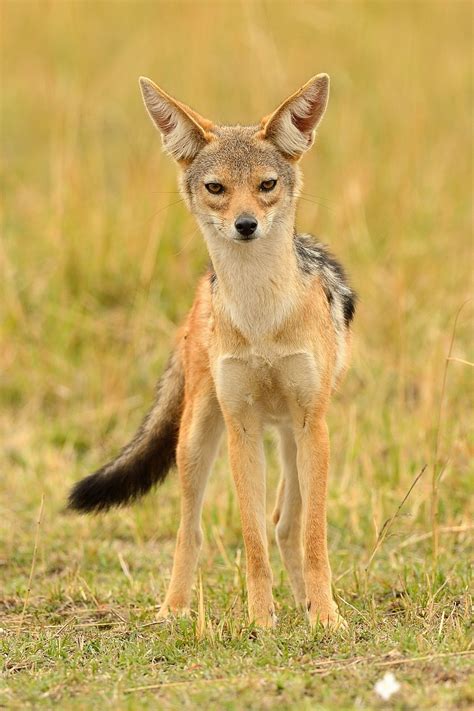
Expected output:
{"points": [[386, 686]]}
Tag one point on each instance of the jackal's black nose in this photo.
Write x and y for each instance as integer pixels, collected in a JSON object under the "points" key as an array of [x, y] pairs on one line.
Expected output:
{"points": [[246, 225]]}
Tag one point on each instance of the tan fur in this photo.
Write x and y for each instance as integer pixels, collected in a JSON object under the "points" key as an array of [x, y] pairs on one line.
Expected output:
{"points": [[260, 349]]}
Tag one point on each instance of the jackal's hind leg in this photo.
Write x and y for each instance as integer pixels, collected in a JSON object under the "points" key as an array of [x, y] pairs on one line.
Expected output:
{"points": [[245, 438], [200, 431], [287, 516]]}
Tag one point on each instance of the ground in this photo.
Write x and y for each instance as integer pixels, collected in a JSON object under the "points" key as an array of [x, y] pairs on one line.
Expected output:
{"points": [[98, 264]]}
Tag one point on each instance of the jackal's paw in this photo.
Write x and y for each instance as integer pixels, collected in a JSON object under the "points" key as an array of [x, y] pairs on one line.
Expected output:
{"points": [[329, 618], [263, 618], [167, 611], [300, 602]]}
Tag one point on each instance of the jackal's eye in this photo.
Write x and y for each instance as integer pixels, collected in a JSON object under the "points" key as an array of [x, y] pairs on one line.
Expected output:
{"points": [[267, 185], [215, 188]]}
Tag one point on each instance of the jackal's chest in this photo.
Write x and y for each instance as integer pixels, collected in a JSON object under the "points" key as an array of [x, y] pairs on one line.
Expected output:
{"points": [[275, 386]]}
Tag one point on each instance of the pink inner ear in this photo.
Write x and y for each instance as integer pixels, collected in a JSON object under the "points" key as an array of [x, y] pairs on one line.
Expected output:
{"points": [[306, 123], [167, 122]]}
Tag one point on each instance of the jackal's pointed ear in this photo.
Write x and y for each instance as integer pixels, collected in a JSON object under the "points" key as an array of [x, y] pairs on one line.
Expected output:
{"points": [[293, 125], [183, 131]]}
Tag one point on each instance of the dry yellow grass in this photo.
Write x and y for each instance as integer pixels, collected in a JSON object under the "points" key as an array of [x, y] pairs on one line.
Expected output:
{"points": [[98, 263]]}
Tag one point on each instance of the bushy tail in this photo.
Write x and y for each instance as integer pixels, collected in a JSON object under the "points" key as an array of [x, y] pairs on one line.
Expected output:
{"points": [[146, 460]]}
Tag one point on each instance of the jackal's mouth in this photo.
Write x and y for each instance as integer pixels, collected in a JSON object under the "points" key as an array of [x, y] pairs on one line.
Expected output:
{"points": [[246, 238]]}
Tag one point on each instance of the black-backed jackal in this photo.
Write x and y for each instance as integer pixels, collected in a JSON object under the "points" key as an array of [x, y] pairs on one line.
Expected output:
{"points": [[265, 343]]}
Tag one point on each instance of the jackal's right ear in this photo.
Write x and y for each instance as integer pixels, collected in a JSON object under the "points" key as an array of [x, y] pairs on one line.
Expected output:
{"points": [[183, 131]]}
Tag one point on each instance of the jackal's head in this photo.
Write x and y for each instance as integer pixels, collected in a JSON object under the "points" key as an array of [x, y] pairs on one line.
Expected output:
{"points": [[240, 182]]}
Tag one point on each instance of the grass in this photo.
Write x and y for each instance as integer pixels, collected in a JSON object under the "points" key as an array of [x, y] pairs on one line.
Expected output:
{"points": [[99, 260]]}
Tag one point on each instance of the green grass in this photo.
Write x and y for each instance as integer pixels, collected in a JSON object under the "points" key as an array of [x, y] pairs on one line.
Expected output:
{"points": [[98, 264]]}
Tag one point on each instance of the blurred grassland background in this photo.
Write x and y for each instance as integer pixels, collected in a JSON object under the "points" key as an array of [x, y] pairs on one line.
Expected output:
{"points": [[98, 263]]}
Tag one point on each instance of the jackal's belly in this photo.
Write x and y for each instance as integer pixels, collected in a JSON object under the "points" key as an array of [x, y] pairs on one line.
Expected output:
{"points": [[275, 388]]}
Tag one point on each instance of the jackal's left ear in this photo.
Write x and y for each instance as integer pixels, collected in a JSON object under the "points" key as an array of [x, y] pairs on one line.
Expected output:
{"points": [[183, 131], [292, 126]]}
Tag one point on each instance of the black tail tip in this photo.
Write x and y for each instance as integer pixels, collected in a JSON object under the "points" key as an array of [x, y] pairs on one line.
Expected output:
{"points": [[91, 495], [121, 482]]}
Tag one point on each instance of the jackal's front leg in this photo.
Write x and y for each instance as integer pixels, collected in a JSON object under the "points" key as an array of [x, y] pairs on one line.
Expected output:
{"points": [[200, 431], [248, 469], [313, 463]]}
